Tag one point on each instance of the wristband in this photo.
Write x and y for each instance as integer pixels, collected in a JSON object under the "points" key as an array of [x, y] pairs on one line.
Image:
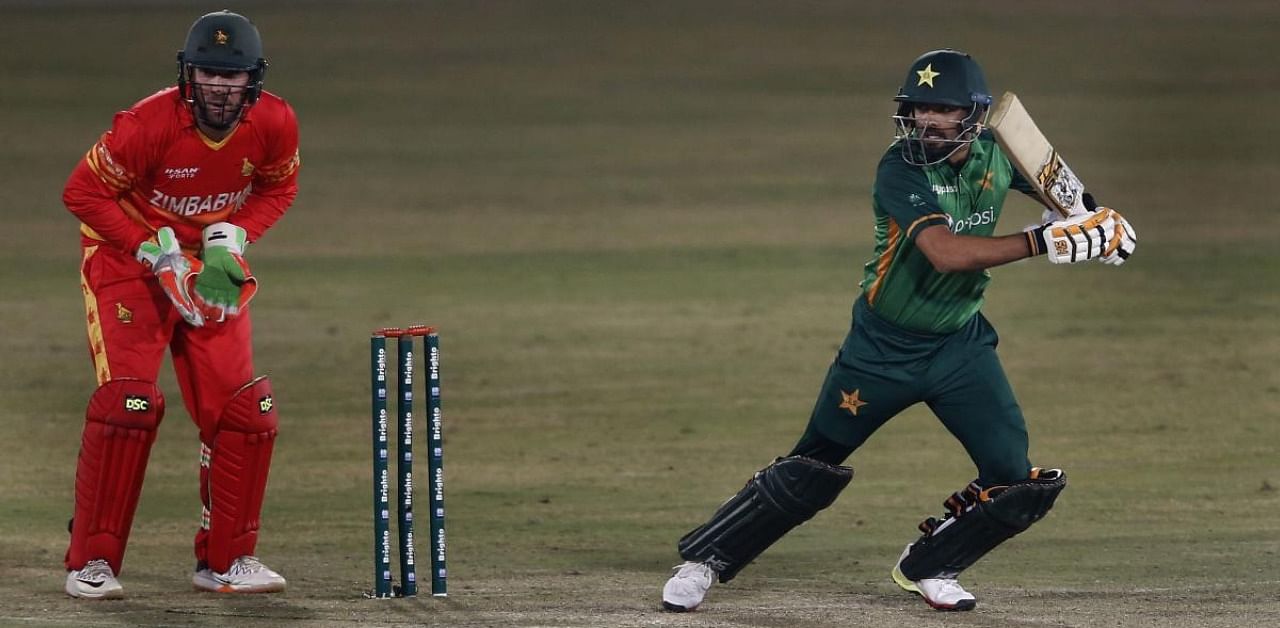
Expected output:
{"points": [[1035, 241]]}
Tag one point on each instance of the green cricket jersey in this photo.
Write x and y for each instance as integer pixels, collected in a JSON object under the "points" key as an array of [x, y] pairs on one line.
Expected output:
{"points": [[900, 283]]}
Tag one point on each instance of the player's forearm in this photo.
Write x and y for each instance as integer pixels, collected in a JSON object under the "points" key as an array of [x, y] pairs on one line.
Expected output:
{"points": [[262, 209], [951, 253], [95, 206]]}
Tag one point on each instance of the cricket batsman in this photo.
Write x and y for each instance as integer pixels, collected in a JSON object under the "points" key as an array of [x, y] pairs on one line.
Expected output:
{"points": [[918, 335], [169, 199]]}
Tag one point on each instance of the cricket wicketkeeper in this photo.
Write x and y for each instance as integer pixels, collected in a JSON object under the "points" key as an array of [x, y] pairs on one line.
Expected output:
{"points": [[918, 336], [169, 198]]}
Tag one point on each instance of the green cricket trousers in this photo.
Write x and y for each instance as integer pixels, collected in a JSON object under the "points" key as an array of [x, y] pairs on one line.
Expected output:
{"points": [[882, 369]]}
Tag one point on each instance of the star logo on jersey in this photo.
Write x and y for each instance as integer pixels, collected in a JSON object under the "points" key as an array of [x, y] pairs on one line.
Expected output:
{"points": [[220, 37], [927, 75], [986, 181], [123, 314], [246, 168], [851, 402]]}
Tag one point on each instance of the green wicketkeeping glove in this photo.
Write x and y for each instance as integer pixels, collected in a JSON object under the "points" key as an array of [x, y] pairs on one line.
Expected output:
{"points": [[225, 285]]}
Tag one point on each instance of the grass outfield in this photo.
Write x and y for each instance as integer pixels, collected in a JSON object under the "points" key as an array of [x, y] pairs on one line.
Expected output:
{"points": [[640, 227]]}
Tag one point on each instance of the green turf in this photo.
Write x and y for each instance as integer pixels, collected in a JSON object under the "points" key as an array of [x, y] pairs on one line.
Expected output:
{"points": [[640, 227]]}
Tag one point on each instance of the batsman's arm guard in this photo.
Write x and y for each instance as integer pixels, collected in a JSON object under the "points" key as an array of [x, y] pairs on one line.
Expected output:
{"points": [[978, 521], [778, 498]]}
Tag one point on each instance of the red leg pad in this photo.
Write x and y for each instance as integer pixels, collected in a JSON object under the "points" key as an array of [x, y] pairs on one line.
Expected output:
{"points": [[120, 426], [239, 459]]}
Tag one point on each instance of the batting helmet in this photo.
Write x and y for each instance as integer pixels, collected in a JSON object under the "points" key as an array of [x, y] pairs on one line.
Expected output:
{"points": [[941, 77], [945, 77]]}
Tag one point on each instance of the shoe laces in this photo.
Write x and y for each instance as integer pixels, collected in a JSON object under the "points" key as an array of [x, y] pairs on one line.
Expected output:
{"points": [[96, 570]]}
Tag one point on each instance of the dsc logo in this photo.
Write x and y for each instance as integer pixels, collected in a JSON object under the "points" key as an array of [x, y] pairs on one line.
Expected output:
{"points": [[265, 404], [134, 403]]}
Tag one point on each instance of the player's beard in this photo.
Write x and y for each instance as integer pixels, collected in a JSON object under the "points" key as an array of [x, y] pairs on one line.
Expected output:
{"points": [[937, 144], [218, 110], [931, 145], [935, 151]]}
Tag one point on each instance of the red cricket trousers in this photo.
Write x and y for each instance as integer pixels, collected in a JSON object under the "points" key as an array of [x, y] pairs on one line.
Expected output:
{"points": [[130, 325]]}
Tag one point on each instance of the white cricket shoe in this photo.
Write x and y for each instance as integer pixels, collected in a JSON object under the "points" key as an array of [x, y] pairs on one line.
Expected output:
{"points": [[246, 575], [94, 581], [689, 583], [944, 594]]}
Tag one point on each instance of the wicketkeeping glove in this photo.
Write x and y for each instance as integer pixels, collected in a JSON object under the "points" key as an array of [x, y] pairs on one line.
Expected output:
{"points": [[1077, 238], [225, 286], [174, 270]]}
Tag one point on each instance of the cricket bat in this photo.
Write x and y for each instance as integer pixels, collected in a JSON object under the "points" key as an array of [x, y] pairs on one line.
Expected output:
{"points": [[1034, 157]]}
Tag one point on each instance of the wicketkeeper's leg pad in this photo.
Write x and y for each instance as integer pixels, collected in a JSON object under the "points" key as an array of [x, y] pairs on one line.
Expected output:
{"points": [[119, 429], [979, 520], [778, 498], [233, 475]]}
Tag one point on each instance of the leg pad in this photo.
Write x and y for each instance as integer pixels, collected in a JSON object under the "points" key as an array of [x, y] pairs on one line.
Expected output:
{"points": [[234, 475], [978, 521], [120, 427], [778, 498]]}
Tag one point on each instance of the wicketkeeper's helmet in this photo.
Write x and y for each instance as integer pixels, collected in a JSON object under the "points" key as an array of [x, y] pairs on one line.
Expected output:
{"points": [[222, 41]]}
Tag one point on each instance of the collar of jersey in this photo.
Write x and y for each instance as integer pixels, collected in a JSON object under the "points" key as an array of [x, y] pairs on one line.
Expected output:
{"points": [[220, 143], [191, 120]]}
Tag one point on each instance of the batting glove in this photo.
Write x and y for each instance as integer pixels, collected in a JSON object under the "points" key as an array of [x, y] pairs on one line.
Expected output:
{"points": [[225, 286], [1074, 239], [175, 271], [1122, 243]]}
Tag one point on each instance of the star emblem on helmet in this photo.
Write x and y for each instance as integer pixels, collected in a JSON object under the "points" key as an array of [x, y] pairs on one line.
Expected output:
{"points": [[927, 75], [220, 37]]}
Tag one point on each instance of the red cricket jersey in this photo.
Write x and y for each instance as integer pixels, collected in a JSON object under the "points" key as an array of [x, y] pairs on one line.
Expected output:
{"points": [[155, 168]]}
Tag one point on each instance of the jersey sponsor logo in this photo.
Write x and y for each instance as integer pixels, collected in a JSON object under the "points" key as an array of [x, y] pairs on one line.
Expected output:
{"points": [[181, 173], [944, 189], [976, 219], [192, 205]]}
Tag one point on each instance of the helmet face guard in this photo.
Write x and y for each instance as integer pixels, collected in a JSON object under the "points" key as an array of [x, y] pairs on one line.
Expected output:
{"points": [[942, 77], [921, 150], [221, 42]]}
